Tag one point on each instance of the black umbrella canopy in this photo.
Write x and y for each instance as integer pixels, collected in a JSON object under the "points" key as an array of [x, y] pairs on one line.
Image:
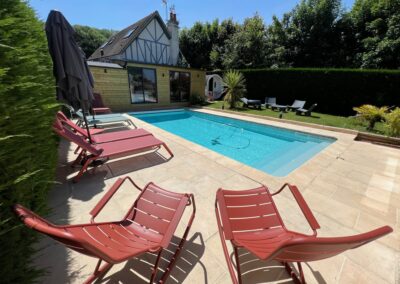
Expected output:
{"points": [[74, 81]]}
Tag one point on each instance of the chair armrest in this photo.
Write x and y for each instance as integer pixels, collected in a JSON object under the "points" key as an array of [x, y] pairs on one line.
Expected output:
{"points": [[110, 193], [303, 206]]}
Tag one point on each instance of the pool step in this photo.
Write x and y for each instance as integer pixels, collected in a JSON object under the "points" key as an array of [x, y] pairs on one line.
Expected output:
{"points": [[290, 160]]}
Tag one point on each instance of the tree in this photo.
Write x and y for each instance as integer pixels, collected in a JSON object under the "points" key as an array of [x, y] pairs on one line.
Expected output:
{"points": [[247, 47], [377, 26], [236, 87], [89, 39], [306, 36]]}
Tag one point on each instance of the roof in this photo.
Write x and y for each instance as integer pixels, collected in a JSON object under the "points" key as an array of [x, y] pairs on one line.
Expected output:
{"points": [[117, 43], [104, 64]]}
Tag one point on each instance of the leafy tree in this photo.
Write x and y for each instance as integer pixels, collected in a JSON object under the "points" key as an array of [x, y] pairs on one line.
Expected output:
{"points": [[377, 27], [89, 39], [236, 87], [28, 148], [246, 48]]}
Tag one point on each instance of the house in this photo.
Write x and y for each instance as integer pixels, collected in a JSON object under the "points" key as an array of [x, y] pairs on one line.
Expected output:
{"points": [[141, 67]]}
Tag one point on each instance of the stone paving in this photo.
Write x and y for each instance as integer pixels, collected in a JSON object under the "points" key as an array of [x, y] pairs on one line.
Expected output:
{"points": [[351, 187]]}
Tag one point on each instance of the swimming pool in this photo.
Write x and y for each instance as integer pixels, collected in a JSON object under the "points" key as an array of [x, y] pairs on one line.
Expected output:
{"points": [[276, 151]]}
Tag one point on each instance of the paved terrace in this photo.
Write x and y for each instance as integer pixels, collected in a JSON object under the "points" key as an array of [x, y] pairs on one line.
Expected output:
{"points": [[351, 187]]}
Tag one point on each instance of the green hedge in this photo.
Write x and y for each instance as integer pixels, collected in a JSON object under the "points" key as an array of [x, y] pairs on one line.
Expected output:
{"points": [[28, 148], [336, 91]]}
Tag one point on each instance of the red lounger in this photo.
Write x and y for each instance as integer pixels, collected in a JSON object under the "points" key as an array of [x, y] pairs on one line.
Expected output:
{"points": [[93, 131], [148, 226], [108, 150], [102, 137], [249, 219]]}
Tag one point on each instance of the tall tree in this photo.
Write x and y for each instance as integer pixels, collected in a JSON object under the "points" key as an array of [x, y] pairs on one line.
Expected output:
{"points": [[89, 39], [377, 25], [247, 47]]}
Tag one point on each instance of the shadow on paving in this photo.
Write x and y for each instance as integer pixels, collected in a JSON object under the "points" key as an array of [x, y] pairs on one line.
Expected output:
{"points": [[254, 270], [139, 269]]}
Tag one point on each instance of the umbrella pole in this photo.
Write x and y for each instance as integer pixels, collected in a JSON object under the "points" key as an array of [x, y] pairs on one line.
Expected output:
{"points": [[87, 128]]}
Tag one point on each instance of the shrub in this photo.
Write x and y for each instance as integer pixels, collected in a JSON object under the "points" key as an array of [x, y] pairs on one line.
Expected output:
{"points": [[28, 150], [336, 91], [197, 99], [393, 122], [236, 87], [371, 114]]}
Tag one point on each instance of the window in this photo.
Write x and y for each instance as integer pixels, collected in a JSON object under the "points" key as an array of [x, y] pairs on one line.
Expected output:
{"points": [[179, 83], [129, 33], [142, 85]]}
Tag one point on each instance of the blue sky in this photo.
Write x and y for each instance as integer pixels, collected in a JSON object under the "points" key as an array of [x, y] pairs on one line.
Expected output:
{"points": [[118, 14]]}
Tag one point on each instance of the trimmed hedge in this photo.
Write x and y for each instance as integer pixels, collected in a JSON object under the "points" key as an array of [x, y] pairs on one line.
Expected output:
{"points": [[336, 91], [28, 148]]}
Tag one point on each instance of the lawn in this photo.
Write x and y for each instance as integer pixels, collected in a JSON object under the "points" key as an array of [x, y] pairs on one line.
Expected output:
{"points": [[316, 118]]}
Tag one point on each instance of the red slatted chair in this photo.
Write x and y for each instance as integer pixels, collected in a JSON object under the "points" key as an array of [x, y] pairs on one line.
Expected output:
{"points": [[249, 219], [108, 150], [93, 131], [148, 226]]}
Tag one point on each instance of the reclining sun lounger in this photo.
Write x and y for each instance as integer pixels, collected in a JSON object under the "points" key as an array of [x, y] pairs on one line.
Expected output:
{"points": [[306, 112], [102, 119], [249, 219], [148, 226], [297, 105], [99, 138], [269, 102], [107, 150], [251, 103]]}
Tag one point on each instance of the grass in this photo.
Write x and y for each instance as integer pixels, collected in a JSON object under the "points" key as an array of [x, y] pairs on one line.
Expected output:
{"points": [[316, 118]]}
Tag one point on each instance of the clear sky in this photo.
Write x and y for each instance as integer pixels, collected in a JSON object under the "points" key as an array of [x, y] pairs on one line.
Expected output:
{"points": [[118, 14]]}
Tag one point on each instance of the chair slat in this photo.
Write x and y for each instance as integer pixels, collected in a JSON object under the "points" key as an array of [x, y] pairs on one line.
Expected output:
{"points": [[244, 200], [151, 222], [251, 211], [155, 210], [254, 223], [160, 199]]}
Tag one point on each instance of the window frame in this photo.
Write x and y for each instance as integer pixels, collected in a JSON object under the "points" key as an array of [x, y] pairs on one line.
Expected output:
{"points": [[144, 98], [179, 83]]}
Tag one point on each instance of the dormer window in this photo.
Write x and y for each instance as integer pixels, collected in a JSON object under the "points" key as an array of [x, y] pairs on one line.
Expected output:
{"points": [[129, 33], [111, 40]]}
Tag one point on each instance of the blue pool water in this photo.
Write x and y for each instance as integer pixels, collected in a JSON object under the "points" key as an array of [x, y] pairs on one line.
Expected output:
{"points": [[276, 151]]}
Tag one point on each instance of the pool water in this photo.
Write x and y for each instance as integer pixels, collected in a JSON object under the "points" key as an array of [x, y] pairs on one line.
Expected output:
{"points": [[276, 151]]}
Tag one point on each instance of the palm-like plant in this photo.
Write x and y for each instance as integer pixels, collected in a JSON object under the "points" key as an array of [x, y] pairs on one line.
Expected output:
{"points": [[236, 87], [371, 114]]}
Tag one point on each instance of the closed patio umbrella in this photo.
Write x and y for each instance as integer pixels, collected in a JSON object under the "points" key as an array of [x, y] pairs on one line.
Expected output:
{"points": [[74, 82]]}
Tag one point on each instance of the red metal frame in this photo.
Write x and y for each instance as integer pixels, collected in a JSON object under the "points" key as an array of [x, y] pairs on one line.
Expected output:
{"points": [[148, 226], [249, 219], [109, 150]]}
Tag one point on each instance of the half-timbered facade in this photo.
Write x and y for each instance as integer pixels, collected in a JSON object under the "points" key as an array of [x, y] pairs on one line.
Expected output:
{"points": [[141, 67]]}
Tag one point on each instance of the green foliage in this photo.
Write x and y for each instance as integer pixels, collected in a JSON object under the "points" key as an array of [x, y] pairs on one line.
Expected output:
{"points": [[371, 114], [203, 45], [246, 48], [89, 39], [393, 122], [336, 91], [197, 99], [236, 87], [27, 146], [315, 33]]}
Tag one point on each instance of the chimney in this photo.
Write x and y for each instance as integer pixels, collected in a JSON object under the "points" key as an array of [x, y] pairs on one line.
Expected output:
{"points": [[173, 28]]}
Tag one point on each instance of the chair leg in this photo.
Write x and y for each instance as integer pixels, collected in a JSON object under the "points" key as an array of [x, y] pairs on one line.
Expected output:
{"points": [[239, 274], [83, 169], [298, 279], [154, 273], [181, 244], [168, 150], [99, 272]]}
